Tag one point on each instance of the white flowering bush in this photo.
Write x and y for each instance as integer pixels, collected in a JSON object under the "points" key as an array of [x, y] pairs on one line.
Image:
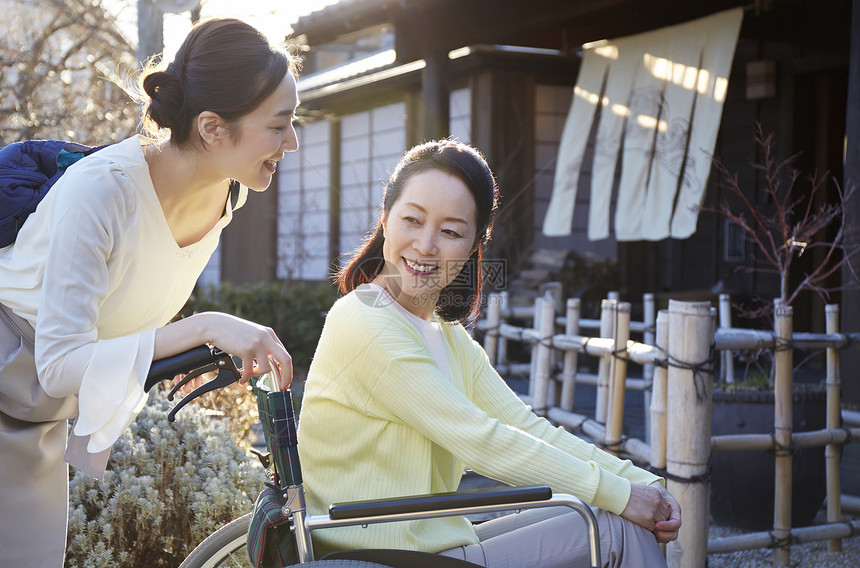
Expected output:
{"points": [[167, 487]]}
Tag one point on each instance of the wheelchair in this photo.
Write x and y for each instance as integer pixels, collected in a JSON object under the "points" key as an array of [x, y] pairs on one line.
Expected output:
{"points": [[226, 546]]}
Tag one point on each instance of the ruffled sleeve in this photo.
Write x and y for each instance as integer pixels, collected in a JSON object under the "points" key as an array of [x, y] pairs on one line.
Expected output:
{"points": [[106, 403], [90, 209]]}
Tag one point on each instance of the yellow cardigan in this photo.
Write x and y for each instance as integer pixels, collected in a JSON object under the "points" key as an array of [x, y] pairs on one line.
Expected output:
{"points": [[380, 420]]}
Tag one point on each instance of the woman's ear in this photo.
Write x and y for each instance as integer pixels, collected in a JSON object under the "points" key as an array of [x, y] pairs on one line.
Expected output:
{"points": [[212, 128]]}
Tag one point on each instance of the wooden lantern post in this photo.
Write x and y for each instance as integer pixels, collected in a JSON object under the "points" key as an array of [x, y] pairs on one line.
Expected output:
{"points": [[688, 436]]}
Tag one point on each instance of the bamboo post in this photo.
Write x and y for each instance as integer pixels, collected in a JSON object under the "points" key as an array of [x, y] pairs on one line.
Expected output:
{"points": [[613, 295], [615, 421], [688, 437], [782, 433], [648, 320], [727, 368], [494, 320], [571, 327], [504, 306], [658, 398], [832, 451], [534, 355], [604, 366], [546, 308]]}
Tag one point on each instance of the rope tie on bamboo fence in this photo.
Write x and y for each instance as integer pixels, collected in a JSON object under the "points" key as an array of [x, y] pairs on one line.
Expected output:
{"points": [[852, 530], [781, 450], [585, 346], [782, 542], [849, 436], [700, 369], [703, 478], [782, 344], [616, 447]]}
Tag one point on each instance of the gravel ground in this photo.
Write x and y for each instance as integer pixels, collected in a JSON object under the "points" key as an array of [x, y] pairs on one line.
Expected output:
{"points": [[808, 555]]}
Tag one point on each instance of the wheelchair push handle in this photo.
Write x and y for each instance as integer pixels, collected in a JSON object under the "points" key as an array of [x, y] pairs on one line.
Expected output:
{"points": [[192, 363]]}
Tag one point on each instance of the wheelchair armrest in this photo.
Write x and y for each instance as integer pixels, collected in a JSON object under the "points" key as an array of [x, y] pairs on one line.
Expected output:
{"points": [[439, 501]]}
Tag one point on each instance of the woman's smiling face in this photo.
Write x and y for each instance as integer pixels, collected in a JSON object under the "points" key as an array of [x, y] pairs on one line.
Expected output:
{"points": [[429, 236], [262, 137]]}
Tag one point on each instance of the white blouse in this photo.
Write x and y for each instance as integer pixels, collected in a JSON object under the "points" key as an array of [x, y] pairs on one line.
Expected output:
{"points": [[96, 271]]}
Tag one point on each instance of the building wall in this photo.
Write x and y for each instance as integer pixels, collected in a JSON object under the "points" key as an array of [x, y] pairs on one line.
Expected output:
{"points": [[371, 143], [303, 205]]}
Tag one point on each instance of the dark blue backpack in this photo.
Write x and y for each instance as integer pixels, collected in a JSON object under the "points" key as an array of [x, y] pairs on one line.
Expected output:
{"points": [[27, 171]]}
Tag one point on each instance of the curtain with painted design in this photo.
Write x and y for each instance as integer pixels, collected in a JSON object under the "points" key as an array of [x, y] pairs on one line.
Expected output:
{"points": [[658, 97]]}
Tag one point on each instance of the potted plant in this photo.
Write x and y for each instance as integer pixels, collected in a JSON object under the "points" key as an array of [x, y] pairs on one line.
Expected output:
{"points": [[797, 219]]}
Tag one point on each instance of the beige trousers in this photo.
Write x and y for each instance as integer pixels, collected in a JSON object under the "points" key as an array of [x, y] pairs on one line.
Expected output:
{"points": [[34, 479], [557, 537]]}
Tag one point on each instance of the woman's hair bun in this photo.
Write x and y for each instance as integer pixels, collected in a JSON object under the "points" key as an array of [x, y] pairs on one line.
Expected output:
{"points": [[166, 94]]}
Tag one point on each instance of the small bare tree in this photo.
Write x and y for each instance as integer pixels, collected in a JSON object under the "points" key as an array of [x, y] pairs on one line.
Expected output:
{"points": [[61, 66], [799, 221]]}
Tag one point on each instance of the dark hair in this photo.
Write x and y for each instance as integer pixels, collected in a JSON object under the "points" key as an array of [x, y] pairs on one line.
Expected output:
{"points": [[224, 65], [461, 299]]}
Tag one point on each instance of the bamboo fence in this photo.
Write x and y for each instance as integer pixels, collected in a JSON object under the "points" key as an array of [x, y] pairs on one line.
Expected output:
{"points": [[677, 358]]}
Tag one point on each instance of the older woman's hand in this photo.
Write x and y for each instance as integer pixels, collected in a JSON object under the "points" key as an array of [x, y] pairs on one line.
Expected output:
{"points": [[653, 507]]}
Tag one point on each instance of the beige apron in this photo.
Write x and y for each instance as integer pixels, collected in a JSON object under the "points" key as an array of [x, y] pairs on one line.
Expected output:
{"points": [[34, 479]]}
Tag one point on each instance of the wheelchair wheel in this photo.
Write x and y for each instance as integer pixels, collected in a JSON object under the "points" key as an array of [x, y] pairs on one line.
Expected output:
{"points": [[225, 548]]}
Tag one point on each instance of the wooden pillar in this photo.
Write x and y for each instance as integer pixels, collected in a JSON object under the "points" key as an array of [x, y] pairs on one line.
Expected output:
{"points": [[833, 452], [434, 92], [783, 411], [150, 30], [568, 375], [688, 437], [334, 191], [850, 358], [658, 397]]}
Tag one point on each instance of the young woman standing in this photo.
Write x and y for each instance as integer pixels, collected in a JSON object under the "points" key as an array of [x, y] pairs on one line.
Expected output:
{"points": [[110, 257], [412, 399]]}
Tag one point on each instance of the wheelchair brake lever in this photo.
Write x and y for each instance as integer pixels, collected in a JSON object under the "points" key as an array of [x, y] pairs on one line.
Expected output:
{"points": [[228, 374], [190, 376]]}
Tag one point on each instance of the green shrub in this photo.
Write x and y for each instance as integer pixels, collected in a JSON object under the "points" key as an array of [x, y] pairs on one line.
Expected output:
{"points": [[295, 310], [167, 487]]}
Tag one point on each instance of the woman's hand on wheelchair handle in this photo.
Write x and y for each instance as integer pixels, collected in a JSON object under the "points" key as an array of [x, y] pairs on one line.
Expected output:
{"points": [[255, 344]]}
